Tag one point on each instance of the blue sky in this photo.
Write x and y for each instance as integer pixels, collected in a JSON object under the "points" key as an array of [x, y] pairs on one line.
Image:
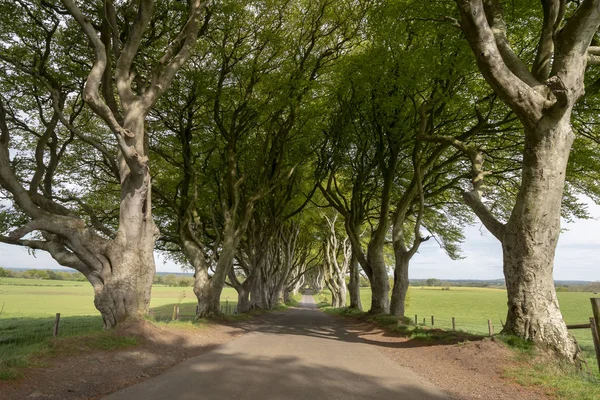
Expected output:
{"points": [[577, 255]]}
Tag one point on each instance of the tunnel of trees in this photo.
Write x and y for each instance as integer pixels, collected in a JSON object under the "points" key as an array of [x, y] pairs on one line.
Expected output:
{"points": [[269, 145]]}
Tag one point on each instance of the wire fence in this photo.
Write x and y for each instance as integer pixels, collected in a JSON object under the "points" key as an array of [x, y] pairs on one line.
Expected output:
{"points": [[488, 327], [19, 337], [470, 325]]}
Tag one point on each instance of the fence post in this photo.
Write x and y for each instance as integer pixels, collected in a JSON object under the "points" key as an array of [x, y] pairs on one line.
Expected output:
{"points": [[453, 324], [424, 322], [596, 311], [56, 324], [596, 338], [226, 306], [432, 323], [197, 310], [490, 327], [416, 320]]}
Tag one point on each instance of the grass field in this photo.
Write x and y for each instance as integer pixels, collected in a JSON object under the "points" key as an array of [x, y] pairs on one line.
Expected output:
{"points": [[472, 307], [29, 307], [27, 298]]}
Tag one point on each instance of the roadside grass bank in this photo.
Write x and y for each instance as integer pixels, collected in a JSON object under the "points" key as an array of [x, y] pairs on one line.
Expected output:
{"points": [[27, 350], [28, 315], [529, 366], [472, 307]]}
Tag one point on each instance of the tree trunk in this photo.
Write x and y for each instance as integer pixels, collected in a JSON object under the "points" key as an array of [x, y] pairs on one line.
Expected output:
{"points": [[530, 240], [287, 296], [398, 304], [354, 285], [243, 299], [208, 289], [125, 293], [256, 290], [334, 299], [380, 284], [342, 290], [209, 299]]}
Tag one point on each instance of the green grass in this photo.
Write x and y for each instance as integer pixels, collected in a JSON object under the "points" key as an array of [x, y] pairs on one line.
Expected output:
{"points": [[472, 307], [559, 381], [27, 318]]}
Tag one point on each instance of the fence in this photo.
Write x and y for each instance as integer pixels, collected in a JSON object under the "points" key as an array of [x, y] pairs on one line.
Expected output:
{"points": [[483, 327], [186, 311], [21, 335], [474, 326], [594, 326]]}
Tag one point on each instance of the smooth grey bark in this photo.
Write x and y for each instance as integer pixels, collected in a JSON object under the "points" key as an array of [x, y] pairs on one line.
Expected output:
{"points": [[243, 305], [400, 288], [337, 257], [380, 284], [373, 264], [354, 284], [543, 102], [209, 294], [530, 238], [257, 298]]}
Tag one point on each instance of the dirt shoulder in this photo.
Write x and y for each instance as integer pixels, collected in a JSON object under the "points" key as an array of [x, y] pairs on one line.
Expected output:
{"points": [[89, 375], [467, 370]]}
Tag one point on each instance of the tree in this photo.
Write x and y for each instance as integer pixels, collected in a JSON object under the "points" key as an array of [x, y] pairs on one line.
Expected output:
{"points": [[432, 282], [336, 260], [542, 98], [259, 87], [119, 263]]}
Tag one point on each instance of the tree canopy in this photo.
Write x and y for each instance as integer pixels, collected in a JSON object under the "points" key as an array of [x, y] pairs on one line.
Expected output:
{"points": [[268, 145]]}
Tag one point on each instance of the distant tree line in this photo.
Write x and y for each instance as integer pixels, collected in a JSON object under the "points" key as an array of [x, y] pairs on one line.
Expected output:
{"points": [[53, 275], [586, 287], [45, 274], [173, 280]]}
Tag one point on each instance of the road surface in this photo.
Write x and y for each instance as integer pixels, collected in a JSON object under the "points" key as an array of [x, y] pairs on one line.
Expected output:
{"points": [[302, 353]]}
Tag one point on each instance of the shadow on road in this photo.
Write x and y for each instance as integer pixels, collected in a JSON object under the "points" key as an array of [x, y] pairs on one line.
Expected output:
{"points": [[307, 320], [238, 377]]}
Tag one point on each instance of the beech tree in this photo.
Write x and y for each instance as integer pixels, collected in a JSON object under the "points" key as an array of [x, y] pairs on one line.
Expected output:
{"points": [[542, 96], [336, 259], [119, 263], [260, 66]]}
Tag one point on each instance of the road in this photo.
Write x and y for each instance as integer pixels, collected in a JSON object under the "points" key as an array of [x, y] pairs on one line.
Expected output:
{"points": [[302, 353]]}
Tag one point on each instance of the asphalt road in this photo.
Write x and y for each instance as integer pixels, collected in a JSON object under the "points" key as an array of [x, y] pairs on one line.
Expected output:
{"points": [[300, 354]]}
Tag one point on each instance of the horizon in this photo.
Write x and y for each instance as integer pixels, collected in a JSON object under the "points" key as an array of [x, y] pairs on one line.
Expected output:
{"points": [[576, 256], [442, 280]]}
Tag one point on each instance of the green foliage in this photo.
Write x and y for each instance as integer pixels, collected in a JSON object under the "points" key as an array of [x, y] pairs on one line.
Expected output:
{"points": [[432, 282]]}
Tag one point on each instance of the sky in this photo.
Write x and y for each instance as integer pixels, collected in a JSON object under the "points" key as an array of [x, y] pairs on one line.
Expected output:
{"points": [[577, 255]]}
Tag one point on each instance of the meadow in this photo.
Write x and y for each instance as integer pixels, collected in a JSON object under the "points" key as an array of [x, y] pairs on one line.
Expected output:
{"points": [[28, 308], [472, 307]]}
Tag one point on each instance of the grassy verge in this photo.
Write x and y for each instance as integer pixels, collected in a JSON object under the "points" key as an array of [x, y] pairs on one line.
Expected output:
{"points": [[35, 351], [558, 380]]}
